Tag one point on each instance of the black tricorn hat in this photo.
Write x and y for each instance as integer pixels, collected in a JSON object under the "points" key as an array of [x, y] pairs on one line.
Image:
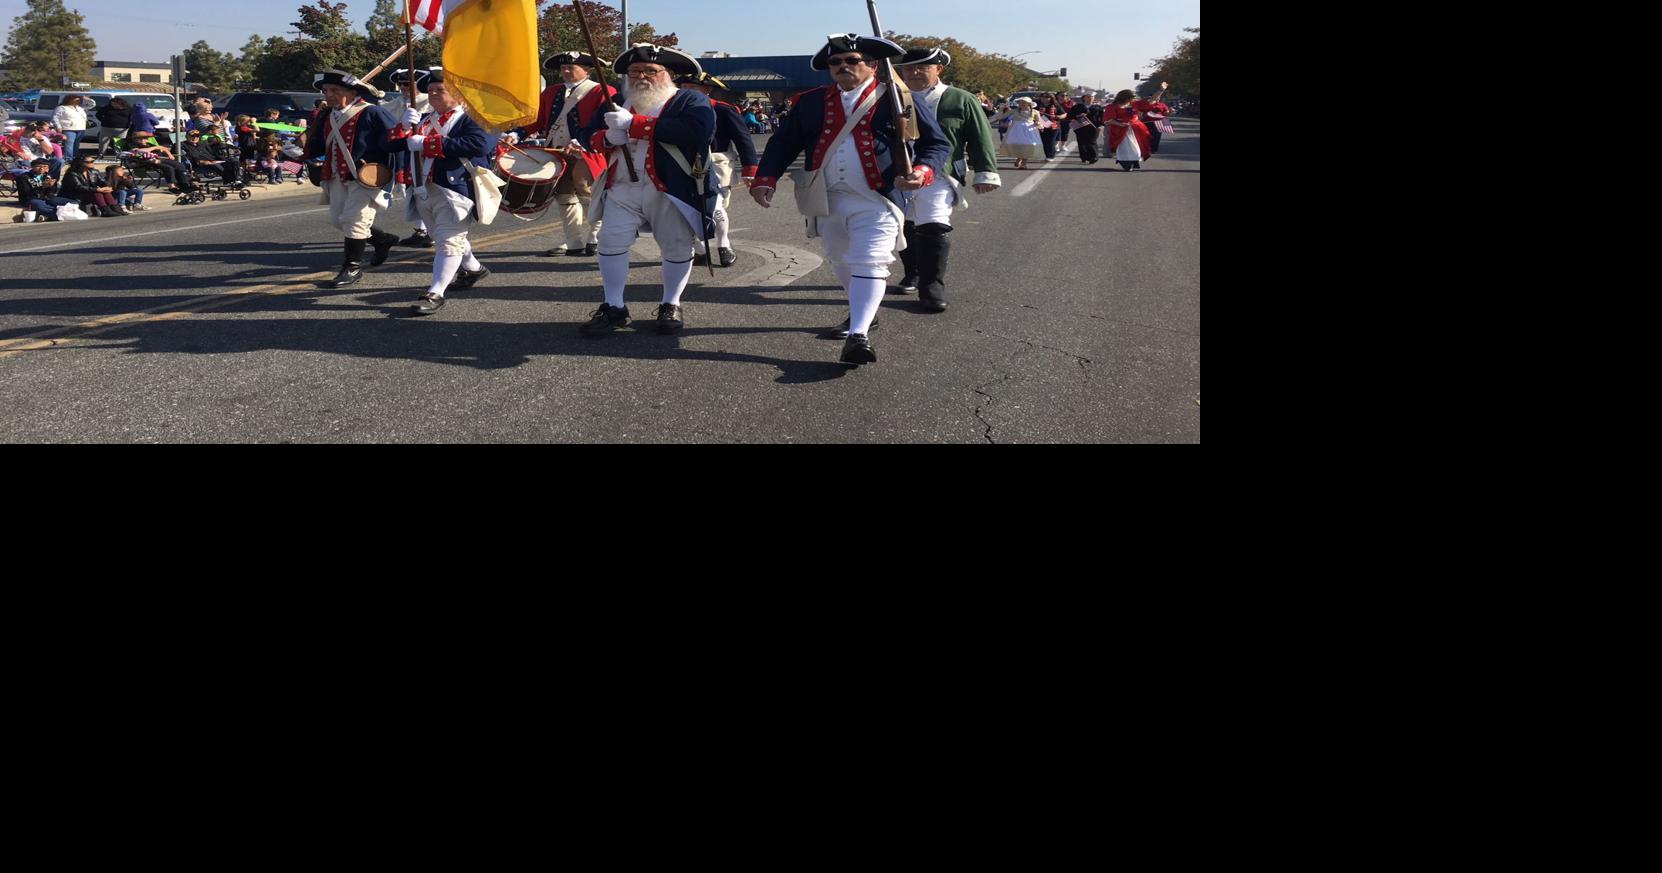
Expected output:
{"points": [[700, 79], [924, 56], [678, 62], [553, 62], [428, 78], [870, 46], [346, 80]]}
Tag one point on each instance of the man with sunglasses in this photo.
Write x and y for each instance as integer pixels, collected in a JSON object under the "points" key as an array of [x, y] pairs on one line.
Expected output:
{"points": [[861, 179], [663, 137]]}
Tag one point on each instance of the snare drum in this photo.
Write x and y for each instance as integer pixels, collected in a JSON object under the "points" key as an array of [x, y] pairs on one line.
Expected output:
{"points": [[531, 175]]}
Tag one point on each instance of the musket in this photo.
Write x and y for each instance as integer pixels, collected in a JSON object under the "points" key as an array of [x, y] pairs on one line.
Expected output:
{"points": [[901, 148], [701, 174], [600, 76]]}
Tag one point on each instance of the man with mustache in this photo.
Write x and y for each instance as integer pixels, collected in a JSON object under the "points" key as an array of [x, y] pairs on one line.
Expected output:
{"points": [[850, 128], [663, 133]]}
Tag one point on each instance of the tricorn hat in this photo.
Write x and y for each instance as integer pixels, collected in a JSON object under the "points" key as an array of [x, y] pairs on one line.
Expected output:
{"points": [[924, 56], [346, 80], [582, 59], [428, 78], [870, 46], [700, 79], [677, 62]]}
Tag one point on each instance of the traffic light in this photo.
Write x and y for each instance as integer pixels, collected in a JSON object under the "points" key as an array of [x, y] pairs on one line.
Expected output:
{"points": [[1137, 76], [1064, 73]]}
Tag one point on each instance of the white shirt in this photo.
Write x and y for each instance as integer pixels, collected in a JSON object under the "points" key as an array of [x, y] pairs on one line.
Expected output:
{"points": [[69, 118]]}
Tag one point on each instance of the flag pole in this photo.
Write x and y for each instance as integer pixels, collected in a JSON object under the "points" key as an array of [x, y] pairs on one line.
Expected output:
{"points": [[409, 46]]}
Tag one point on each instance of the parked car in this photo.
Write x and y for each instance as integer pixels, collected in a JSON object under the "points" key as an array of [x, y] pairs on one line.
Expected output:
{"points": [[292, 104]]}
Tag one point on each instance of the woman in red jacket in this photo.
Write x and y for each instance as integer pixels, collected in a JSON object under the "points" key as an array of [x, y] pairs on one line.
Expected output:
{"points": [[1153, 114], [1127, 136]]}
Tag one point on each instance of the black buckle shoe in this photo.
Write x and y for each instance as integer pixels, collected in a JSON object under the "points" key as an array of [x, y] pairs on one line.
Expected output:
{"points": [[841, 330], [908, 285], [728, 257], [590, 249], [428, 304], [466, 279], [605, 320], [418, 240], [701, 258], [669, 318], [554, 253], [857, 350]]}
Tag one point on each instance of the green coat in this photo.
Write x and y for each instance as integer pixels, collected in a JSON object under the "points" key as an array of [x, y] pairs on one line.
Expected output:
{"points": [[965, 124]]}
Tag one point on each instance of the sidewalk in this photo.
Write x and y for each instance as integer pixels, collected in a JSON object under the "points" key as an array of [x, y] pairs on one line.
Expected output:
{"points": [[161, 203]]}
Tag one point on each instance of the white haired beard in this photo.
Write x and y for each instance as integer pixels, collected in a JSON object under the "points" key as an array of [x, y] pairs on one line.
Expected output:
{"points": [[650, 100]]}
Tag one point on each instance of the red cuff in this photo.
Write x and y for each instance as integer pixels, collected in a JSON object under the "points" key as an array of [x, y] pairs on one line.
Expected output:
{"points": [[928, 175], [400, 133], [642, 127], [749, 172], [433, 146], [597, 143], [766, 182]]}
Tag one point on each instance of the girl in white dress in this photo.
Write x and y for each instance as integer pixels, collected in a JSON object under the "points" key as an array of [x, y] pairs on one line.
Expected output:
{"points": [[1023, 142]]}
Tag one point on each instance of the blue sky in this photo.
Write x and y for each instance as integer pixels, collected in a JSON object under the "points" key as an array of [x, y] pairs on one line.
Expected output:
{"points": [[1101, 42]]}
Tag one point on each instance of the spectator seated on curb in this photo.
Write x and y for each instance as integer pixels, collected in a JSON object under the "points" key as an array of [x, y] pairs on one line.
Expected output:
{"points": [[38, 193], [84, 184], [129, 195]]}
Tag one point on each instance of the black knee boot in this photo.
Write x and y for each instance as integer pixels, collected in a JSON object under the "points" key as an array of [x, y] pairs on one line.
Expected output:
{"points": [[383, 243], [909, 261], [353, 268], [933, 249]]}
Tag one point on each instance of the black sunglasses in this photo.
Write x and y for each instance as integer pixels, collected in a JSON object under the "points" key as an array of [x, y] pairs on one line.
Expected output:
{"points": [[838, 62]]}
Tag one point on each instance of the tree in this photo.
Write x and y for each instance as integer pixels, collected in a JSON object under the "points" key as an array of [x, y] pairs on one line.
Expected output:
{"points": [[1182, 67], [214, 70], [975, 71], [47, 44], [558, 31], [323, 22]]}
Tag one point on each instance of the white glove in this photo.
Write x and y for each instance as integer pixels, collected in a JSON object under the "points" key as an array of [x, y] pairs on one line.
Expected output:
{"points": [[619, 120], [412, 117], [617, 137], [512, 138], [416, 143]]}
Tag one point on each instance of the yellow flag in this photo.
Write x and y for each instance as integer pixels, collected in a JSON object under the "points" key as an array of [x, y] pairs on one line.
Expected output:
{"points": [[490, 59]]}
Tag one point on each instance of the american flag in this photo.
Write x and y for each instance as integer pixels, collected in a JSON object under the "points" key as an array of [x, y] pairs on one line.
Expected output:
{"points": [[427, 13]]}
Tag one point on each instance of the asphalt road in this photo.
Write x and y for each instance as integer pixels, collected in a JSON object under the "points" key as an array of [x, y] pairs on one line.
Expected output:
{"points": [[1075, 295]]}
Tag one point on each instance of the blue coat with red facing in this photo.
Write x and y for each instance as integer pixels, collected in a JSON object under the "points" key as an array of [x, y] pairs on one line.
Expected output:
{"points": [[451, 157], [365, 135], [687, 124], [815, 118], [731, 132]]}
